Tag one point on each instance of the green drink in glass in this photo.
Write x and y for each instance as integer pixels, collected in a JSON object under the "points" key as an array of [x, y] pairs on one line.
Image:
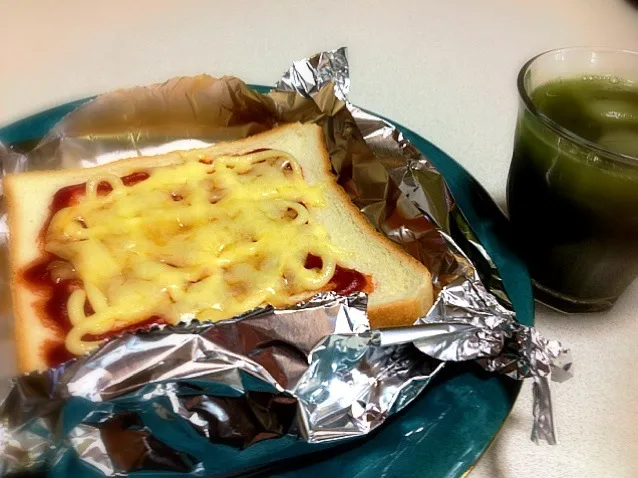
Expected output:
{"points": [[572, 191]]}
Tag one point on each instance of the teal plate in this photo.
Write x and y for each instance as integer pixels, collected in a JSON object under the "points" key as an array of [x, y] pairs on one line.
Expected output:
{"points": [[445, 431]]}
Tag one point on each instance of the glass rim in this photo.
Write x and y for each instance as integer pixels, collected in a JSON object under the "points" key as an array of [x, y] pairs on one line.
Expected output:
{"points": [[553, 125]]}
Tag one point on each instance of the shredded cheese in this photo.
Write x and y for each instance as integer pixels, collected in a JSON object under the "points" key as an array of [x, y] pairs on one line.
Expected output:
{"points": [[208, 238]]}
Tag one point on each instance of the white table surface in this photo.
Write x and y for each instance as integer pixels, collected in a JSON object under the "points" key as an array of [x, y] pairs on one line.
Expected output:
{"points": [[444, 68]]}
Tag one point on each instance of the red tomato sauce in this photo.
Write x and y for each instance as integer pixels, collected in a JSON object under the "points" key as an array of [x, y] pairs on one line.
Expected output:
{"points": [[344, 281]]}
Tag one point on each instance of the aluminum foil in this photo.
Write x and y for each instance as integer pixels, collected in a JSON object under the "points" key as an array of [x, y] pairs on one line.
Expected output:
{"points": [[260, 376], [172, 398]]}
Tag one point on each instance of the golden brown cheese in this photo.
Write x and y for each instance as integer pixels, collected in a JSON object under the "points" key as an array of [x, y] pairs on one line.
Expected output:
{"points": [[205, 239]]}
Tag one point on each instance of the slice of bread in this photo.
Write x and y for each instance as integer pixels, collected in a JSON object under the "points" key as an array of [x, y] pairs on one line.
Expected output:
{"points": [[402, 285]]}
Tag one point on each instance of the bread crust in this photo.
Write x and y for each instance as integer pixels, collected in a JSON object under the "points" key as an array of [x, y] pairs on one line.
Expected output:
{"points": [[31, 331]]}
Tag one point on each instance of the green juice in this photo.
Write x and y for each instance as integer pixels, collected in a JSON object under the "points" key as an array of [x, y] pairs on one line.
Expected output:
{"points": [[574, 208]]}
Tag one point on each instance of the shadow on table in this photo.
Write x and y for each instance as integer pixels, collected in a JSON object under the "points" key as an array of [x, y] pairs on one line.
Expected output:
{"points": [[493, 460]]}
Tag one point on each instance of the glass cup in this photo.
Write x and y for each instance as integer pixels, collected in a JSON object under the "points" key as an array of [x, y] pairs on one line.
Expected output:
{"points": [[572, 191]]}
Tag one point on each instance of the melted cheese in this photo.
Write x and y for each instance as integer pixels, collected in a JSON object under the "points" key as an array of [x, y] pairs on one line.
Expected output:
{"points": [[205, 239]]}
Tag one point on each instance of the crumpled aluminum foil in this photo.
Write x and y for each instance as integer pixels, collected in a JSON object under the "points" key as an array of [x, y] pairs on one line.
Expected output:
{"points": [[174, 392], [262, 375]]}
